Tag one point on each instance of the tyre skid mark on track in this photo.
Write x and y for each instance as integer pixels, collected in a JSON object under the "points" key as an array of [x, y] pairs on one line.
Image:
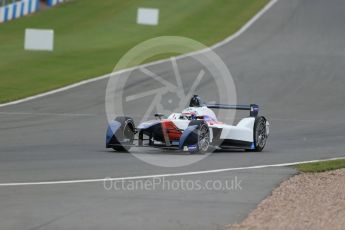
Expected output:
{"points": [[49, 114]]}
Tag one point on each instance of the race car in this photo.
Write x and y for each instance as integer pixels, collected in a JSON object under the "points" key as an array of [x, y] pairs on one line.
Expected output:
{"points": [[194, 130]]}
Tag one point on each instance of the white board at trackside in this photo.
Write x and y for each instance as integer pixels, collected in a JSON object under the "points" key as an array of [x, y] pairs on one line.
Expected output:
{"points": [[39, 39], [148, 16]]}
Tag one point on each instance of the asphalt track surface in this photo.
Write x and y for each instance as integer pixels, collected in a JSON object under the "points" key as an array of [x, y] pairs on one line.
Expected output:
{"points": [[290, 62]]}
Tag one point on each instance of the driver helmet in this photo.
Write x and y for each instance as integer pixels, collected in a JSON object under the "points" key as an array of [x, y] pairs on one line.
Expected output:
{"points": [[195, 101]]}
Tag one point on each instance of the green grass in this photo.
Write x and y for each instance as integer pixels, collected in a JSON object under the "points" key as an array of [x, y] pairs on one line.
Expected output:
{"points": [[321, 166], [91, 36]]}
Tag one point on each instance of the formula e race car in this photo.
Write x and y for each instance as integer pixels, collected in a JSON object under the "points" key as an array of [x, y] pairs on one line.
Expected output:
{"points": [[196, 130]]}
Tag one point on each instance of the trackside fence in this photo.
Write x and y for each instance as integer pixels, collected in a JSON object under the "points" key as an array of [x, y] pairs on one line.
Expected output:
{"points": [[12, 9]]}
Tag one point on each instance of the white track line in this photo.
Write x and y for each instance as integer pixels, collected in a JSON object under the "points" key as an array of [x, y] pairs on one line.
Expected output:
{"points": [[162, 175], [227, 40]]}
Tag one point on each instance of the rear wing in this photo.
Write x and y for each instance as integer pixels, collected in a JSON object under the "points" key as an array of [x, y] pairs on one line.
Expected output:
{"points": [[253, 108]]}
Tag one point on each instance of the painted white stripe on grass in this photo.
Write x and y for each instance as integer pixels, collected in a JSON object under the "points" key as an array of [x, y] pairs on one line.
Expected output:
{"points": [[163, 175], [227, 40]]}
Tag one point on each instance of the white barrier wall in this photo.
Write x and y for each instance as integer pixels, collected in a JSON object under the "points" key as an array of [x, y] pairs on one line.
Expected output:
{"points": [[18, 9], [54, 2], [2, 13], [22, 8]]}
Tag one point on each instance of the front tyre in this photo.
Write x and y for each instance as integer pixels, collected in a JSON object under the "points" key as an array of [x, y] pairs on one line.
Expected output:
{"points": [[260, 134], [125, 134], [202, 133]]}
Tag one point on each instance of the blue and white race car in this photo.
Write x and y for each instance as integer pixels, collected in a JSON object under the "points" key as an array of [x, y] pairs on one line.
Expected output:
{"points": [[195, 129]]}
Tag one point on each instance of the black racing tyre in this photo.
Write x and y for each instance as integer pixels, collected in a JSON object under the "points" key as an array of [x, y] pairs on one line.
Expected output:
{"points": [[202, 133], [260, 134], [125, 134]]}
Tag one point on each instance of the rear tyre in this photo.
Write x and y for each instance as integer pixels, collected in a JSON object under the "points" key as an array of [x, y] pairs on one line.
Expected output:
{"points": [[202, 133], [125, 134], [260, 134]]}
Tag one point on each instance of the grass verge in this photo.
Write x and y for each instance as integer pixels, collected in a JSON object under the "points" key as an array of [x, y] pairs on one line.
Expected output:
{"points": [[321, 166], [91, 36]]}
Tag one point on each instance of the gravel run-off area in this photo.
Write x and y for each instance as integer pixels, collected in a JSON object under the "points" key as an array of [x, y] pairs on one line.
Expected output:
{"points": [[305, 201]]}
